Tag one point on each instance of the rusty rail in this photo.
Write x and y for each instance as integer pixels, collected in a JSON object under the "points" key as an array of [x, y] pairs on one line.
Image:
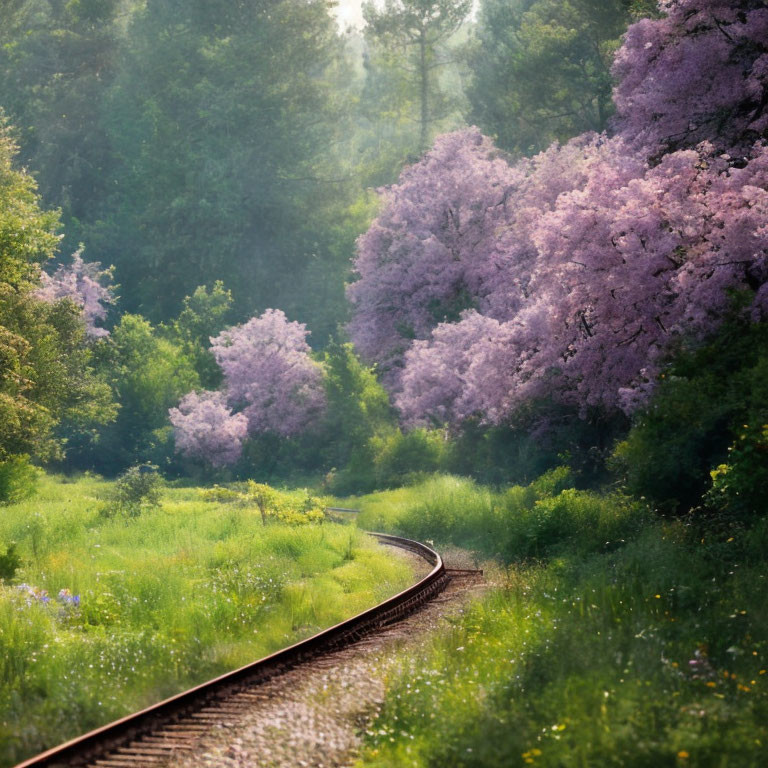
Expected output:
{"points": [[131, 730]]}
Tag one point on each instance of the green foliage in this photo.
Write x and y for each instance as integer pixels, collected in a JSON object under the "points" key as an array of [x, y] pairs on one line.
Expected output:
{"points": [[27, 233], [137, 490], [740, 487], [18, 479], [542, 520], [358, 410], [166, 600], [148, 374], [57, 60], [412, 77], [45, 362], [252, 98], [221, 495], [499, 455], [10, 562], [401, 457], [541, 68], [205, 314], [292, 508], [701, 405]]}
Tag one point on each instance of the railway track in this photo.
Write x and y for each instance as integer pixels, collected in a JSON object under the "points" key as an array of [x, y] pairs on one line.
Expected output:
{"points": [[153, 735]]}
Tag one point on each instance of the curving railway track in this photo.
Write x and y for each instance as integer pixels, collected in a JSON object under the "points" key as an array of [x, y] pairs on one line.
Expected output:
{"points": [[154, 735]]}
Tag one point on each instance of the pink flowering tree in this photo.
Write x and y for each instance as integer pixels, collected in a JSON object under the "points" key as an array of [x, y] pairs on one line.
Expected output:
{"points": [[84, 283], [422, 260], [629, 272], [461, 372], [628, 268], [455, 234], [699, 73], [270, 374], [271, 385], [607, 255], [206, 428]]}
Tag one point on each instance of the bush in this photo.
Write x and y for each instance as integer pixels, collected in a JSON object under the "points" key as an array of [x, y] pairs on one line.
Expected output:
{"points": [[18, 479], [137, 490], [740, 487], [545, 519], [573, 522], [10, 562], [700, 405], [295, 508], [148, 374], [403, 457]]}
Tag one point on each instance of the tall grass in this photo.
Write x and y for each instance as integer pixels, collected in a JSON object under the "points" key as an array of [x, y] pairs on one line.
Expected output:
{"points": [[166, 600], [538, 520], [617, 640]]}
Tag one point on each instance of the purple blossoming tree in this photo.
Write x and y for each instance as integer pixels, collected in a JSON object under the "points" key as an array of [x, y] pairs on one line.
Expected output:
{"points": [[590, 264], [268, 371], [205, 428], [271, 384], [418, 262], [83, 283], [699, 73]]}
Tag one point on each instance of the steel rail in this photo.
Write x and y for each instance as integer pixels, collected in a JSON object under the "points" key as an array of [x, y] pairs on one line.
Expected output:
{"points": [[102, 741]]}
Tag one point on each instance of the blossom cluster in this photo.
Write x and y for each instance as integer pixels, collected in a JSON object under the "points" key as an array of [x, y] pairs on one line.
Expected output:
{"points": [[83, 283], [205, 426], [698, 73]]}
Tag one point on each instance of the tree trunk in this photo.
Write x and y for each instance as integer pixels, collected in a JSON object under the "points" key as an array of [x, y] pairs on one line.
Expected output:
{"points": [[424, 75]]}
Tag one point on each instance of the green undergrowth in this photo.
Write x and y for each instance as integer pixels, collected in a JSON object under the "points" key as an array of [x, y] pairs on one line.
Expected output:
{"points": [[615, 639], [541, 519], [155, 603]]}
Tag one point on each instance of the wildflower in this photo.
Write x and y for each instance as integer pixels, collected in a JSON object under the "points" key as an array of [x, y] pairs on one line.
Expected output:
{"points": [[700, 665], [66, 596], [683, 755], [34, 593]]}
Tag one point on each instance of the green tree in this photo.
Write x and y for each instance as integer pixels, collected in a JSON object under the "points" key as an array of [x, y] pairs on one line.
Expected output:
{"points": [[45, 362], [410, 39], [541, 69], [709, 410], [57, 61], [205, 314], [148, 374], [358, 409], [226, 119]]}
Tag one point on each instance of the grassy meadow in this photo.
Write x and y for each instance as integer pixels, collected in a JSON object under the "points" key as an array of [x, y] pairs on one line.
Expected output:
{"points": [[616, 638], [155, 603]]}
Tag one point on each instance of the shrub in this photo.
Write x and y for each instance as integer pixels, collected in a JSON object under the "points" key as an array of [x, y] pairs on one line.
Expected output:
{"points": [[137, 490], [221, 495], [10, 562], [545, 519], [18, 479], [740, 487], [402, 457], [573, 522], [699, 407], [296, 508]]}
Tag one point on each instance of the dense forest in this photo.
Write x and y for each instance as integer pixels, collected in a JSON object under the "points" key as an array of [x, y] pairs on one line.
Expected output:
{"points": [[509, 256]]}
